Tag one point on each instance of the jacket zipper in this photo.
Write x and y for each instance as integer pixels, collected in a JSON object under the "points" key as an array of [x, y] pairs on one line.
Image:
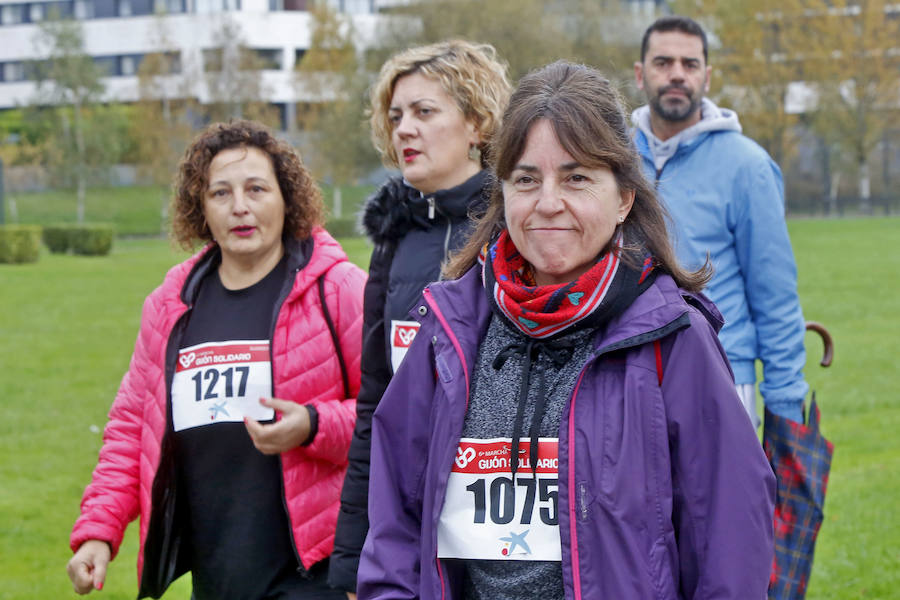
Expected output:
{"points": [[429, 299], [177, 329], [284, 295], [574, 497]]}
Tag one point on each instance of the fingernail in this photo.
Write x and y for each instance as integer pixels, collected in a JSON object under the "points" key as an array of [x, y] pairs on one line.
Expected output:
{"points": [[262, 400], [100, 585]]}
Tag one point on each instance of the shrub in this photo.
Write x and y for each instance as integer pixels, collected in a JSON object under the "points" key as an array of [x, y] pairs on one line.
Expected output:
{"points": [[20, 243], [342, 228], [57, 238], [93, 239]]}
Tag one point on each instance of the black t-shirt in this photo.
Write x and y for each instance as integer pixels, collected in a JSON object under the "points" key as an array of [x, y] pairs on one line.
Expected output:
{"points": [[240, 538]]}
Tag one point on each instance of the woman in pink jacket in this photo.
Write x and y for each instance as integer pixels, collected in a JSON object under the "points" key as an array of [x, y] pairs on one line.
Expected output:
{"points": [[230, 430]]}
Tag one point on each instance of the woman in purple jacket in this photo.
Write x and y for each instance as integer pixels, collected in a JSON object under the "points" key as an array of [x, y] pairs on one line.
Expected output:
{"points": [[571, 341]]}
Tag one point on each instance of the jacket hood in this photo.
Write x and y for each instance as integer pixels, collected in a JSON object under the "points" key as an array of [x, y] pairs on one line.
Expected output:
{"points": [[712, 118], [661, 309], [397, 207]]}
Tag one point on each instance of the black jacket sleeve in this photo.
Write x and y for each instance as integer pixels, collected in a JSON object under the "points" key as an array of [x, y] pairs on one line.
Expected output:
{"points": [[353, 518]]}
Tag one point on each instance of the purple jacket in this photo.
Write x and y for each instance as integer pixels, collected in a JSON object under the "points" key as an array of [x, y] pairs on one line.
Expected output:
{"points": [[664, 491]]}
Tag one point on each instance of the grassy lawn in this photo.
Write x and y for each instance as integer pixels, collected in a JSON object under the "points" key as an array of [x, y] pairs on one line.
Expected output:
{"points": [[67, 326], [134, 210]]}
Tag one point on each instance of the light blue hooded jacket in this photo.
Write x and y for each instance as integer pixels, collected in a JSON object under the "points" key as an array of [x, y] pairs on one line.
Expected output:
{"points": [[726, 198]]}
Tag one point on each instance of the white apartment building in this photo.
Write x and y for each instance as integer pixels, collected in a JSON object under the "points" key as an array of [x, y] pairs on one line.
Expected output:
{"points": [[119, 33]]}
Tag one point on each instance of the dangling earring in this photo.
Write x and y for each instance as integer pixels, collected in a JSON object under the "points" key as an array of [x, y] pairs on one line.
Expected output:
{"points": [[475, 153]]}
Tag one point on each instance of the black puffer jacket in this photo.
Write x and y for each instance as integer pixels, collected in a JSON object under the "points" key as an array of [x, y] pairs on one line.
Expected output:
{"points": [[412, 235]]}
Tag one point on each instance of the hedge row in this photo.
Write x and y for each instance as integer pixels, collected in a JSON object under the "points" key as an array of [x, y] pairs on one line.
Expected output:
{"points": [[20, 243], [94, 239]]}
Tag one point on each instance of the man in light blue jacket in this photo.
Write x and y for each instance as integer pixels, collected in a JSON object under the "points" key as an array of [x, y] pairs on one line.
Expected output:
{"points": [[726, 199]]}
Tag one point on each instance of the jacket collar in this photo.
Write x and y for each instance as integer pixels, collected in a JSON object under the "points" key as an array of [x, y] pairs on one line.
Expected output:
{"points": [[713, 118], [298, 256], [396, 207], [661, 309]]}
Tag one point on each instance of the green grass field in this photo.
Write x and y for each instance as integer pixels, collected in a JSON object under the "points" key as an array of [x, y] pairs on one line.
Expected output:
{"points": [[133, 210], [67, 326]]}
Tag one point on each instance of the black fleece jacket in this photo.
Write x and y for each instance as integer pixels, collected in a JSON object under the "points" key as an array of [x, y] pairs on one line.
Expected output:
{"points": [[412, 234]]}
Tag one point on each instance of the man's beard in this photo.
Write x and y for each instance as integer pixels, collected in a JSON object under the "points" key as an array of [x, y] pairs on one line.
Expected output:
{"points": [[675, 112]]}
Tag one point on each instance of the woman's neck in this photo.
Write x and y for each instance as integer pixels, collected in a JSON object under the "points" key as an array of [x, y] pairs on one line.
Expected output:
{"points": [[239, 272]]}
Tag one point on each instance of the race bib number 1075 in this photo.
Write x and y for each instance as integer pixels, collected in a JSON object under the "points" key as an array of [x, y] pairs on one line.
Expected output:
{"points": [[487, 515], [221, 382]]}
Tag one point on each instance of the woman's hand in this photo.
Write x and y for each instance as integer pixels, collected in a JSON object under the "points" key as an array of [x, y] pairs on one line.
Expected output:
{"points": [[87, 569], [285, 434], [351, 596]]}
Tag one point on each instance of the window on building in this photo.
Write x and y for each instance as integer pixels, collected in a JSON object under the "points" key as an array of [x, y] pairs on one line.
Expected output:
{"points": [[212, 60], [105, 9], [12, 71], [12, 14], [124, 8], [84, 9], [59, 10], [141, 7], [107, 65], [298, 55], [35, 12], [357, 6], [129, 64], [207, 6], [269, 58], [168, 6], [296, 4]]}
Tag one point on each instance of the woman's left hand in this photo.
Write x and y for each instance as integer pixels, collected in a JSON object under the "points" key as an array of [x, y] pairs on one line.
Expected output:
{"points": [[285, 434]]}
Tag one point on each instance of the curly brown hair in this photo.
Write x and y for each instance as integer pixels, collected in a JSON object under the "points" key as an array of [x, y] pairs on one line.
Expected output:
{"points": [[303, 207]]}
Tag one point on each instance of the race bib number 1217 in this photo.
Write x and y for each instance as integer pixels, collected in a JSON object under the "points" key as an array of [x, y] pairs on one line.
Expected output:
{"points": [[221, 382]]}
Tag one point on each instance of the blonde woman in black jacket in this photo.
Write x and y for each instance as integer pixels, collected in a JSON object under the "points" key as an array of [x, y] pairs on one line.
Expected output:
{"points": [[434, 110]]}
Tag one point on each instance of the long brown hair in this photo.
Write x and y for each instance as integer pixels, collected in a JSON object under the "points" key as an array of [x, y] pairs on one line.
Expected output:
{"points": [[588, 117]]}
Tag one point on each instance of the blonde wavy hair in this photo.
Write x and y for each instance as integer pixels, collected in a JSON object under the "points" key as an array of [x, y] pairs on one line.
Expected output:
{"points": [[470, 73]]}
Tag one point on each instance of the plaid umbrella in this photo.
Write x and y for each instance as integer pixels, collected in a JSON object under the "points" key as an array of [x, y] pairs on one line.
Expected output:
{"points": [[801, 458]]}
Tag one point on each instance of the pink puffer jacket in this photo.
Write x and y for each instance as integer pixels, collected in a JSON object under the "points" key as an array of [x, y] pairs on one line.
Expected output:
{"points": [[306, 369]]}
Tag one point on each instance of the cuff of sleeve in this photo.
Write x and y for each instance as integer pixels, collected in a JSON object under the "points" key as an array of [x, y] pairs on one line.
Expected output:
{"points": [[789, 409], [313, 424]]}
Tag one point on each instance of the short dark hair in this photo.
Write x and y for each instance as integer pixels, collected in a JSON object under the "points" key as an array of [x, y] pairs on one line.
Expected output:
{"points": [[588, 116], [675, 23], [303, 206]]}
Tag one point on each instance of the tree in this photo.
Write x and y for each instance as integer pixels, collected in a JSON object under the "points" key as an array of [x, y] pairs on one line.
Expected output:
{"points": [[330, 74], [234, 79], [69, 87], [162, 119], [856, 67], [758, 60]]}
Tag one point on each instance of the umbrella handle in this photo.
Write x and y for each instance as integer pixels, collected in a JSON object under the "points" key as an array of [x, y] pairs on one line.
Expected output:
{"points": [[828, 354]]}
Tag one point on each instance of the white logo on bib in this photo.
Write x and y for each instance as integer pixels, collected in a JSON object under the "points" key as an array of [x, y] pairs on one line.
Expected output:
{"points": [[464, 458], [402, 335], [186, 359]]}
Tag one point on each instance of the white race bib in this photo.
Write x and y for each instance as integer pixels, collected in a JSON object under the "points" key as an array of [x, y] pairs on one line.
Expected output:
{"points": [[486, 517], [402, 334], [221, 382]]}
